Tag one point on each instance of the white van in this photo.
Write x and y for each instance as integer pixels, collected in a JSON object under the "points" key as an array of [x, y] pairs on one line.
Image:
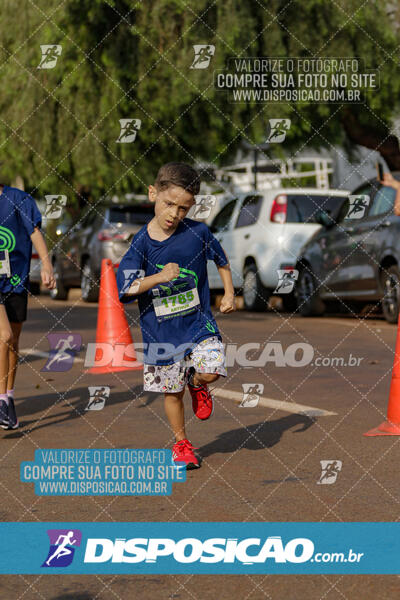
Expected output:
{"points": [[263, 232]]}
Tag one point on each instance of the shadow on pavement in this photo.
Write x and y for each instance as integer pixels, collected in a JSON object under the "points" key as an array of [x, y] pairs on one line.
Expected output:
{"points": [[71, 406], [257, 436], [74, 596]]}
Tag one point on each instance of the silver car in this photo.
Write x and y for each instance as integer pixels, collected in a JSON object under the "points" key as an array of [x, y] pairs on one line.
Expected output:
{"points": [[106, 231]]}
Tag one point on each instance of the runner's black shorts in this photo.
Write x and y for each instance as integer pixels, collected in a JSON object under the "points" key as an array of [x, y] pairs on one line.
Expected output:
{"points": [[16, 305]]}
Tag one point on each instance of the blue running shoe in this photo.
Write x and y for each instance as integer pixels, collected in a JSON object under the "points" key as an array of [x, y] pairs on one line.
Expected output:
{"points": [[3, 414], [13, 422]]}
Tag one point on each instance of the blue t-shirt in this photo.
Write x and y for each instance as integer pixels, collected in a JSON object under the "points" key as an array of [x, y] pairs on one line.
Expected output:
{"points": [[19, 216], [177, 313]]}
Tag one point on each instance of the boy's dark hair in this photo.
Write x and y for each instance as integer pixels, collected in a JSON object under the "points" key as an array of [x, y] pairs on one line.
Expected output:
{"points": [[180, 174]]}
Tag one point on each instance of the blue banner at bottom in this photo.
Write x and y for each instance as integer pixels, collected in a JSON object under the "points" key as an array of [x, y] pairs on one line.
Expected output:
{"points": [[200, 548]]}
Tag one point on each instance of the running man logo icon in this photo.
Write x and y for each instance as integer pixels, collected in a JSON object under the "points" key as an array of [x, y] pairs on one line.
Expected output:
{"points": [[63, 348], [50, 54], [203, 54], [210, 327], [357, 206], [279, 129], [15, 279], [203, 206], [62, 547], [165, 288], [329, 471], [286, 281], [97, 397], [130, 275], [129, 129], [54, 206], [251, 394]]}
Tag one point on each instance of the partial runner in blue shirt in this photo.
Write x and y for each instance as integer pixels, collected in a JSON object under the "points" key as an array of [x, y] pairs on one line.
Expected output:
{"points": [[20, 222], [166, 270]]}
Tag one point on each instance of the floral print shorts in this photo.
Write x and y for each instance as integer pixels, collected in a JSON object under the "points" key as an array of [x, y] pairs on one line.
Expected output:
{"points": [[207, 357]]}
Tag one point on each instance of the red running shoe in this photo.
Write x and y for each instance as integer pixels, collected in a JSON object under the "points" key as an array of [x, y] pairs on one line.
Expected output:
{"points": [[183, 455], [202, 401]]}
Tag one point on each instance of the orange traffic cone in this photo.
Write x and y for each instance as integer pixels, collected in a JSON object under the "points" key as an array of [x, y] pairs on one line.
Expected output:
{"points": [[114, 345], [392, 424]]}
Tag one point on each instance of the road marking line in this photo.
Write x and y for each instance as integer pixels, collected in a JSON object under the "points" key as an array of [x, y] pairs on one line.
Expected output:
{"points": [[346, 322], [41, 354], [290, 407], [356, 322]]}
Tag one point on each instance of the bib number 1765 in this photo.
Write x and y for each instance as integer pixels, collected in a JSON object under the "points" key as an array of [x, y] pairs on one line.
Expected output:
{"points": [[178, 304], [178, 299]]}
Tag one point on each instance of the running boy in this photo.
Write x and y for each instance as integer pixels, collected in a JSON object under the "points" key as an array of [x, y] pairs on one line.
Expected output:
{"points": [[20, 220], [182, 341]]}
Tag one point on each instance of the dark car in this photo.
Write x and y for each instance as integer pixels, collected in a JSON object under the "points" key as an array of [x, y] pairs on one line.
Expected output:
{"points": [[354, 258], [105, 232]]}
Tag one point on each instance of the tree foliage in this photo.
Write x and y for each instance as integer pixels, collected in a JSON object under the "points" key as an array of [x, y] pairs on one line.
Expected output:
{"points": [[127, 59]]}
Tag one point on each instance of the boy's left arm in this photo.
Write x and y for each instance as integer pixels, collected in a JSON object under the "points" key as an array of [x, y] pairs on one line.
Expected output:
{"points": [[46, 271], [228, 303]]}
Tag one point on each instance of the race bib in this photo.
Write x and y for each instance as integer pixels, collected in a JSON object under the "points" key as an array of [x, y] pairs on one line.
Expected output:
{"points": [[5, 269], [177, 298]]}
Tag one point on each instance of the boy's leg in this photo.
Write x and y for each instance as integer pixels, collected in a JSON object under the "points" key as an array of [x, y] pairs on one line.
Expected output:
{"points": [[170, 380], [202, 399], [5, 340], [16, 309], [204, 378], [182, 451], [174, 410], [208, 360], [13, 354]]}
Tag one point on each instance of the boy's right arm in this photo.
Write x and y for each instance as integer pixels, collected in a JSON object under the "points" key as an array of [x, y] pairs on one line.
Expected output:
{"points": [[169, 272]]}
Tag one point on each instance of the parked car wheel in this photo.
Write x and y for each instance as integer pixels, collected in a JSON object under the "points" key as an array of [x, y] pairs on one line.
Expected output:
{"points": [[89, 285], [255, 295], [390, 281], [309, 302], [60, 292]]}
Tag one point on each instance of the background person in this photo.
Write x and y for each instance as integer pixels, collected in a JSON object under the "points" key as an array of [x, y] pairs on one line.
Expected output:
{"points": [[20, 221]]}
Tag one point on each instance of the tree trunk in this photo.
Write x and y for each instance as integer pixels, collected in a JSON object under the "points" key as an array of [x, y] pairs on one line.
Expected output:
{"points": [[384, 143]]}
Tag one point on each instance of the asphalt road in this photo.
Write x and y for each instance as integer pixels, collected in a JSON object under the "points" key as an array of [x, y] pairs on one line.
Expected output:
{"points": [[259, 463]]}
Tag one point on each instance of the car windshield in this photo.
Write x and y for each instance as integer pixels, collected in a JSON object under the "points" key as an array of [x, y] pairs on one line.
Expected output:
{"points": [[133, 215], [303, 209]]}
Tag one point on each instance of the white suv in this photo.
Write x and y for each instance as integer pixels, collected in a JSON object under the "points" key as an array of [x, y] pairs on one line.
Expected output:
{"points": [[263, 232]]}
